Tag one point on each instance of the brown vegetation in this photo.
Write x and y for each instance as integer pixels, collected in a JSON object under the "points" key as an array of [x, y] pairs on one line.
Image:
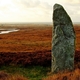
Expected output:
{"points": [[32, 46], [28, 39], [29, 44], [26, 46], [6, 76], [67, 75], [25, 58]]}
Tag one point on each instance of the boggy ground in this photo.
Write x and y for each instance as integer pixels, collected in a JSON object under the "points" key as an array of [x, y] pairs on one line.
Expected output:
{"points": [[33, 45]]}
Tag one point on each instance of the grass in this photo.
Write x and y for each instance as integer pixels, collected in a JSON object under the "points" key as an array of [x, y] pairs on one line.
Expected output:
{"points": [[37, 73], [66, 75], [30, 72], [7, 76]]}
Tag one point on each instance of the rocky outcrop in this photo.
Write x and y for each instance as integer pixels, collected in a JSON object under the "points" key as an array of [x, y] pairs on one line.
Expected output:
{"points": [[63, 40]]}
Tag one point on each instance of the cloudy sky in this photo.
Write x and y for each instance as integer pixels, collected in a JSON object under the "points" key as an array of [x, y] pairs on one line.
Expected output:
{"points": [[36, 10]]}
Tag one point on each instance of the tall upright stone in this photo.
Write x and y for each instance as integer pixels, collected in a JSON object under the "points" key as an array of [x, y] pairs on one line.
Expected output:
{"points": [[63, 40]]}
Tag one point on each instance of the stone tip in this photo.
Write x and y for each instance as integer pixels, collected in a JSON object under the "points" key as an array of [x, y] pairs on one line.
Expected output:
{"points": [[57, 6]]}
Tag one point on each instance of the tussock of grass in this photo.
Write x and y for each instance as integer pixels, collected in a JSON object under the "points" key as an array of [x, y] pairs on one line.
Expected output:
{"points": [[67, 75], [6, 76]]}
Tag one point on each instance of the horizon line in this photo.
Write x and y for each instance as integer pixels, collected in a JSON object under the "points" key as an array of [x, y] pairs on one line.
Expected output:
{"points": [[32, 22]]}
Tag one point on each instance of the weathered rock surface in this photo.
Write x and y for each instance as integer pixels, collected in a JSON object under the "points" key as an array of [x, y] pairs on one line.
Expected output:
{"points": [[63, 40]]}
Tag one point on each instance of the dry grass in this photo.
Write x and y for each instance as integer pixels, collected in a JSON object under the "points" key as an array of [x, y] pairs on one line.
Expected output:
{"points": [[67, 75], [6, 76], [34, 39], [28, 39]]}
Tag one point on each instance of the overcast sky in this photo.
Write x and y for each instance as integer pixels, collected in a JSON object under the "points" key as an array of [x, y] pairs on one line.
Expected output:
{"points": [[36, 10]]}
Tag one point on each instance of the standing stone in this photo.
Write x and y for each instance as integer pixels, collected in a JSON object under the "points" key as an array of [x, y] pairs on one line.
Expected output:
{"points": [[63, 41]]}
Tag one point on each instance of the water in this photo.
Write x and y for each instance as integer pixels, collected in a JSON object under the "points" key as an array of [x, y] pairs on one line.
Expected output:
{"points": [[8, 31]]}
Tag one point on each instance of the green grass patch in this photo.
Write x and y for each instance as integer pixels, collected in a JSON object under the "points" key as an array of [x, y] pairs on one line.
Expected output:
{"points": [[31, 72]]}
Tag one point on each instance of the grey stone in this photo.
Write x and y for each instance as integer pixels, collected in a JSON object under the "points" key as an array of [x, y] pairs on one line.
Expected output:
{"points": [[63, 40]]}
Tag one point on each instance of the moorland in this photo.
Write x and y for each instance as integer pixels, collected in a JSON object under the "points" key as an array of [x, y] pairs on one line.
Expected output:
{"points": [[27, 53]]}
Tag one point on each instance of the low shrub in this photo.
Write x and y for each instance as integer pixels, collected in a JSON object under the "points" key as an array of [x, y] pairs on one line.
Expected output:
{"points": [[26, 58], [42, 58]]}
